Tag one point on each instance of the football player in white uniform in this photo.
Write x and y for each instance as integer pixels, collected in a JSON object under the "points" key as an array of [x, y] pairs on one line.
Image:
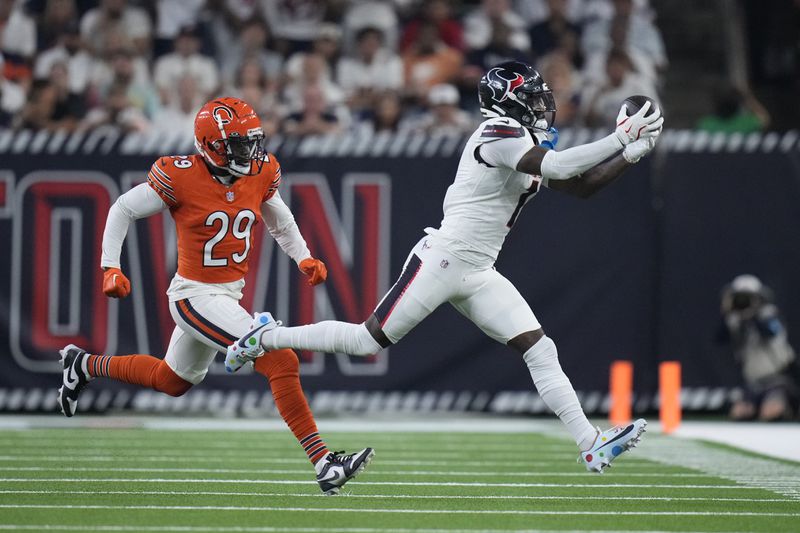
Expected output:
{"points": [[502, 167]]}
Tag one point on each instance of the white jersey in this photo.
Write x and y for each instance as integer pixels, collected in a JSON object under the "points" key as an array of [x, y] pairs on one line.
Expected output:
{"points": [[488, 193]]}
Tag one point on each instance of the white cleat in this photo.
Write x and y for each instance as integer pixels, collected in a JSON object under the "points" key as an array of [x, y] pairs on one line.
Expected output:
{"points": [[612, 443], [248, 348], [73, 378], [336, 469]]}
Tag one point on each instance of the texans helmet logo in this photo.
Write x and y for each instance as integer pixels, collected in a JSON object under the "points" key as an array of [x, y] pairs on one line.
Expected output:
{"points": [[502, 87]]}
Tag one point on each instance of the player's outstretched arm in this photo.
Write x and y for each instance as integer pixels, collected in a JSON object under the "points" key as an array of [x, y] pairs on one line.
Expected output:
{"points": [[139, 202], [602, 175], [552, 165], [283, 228], [592, 180]]}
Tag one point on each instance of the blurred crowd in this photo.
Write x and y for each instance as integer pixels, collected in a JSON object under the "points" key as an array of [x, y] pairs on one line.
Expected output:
{"points": [[315, 66]]}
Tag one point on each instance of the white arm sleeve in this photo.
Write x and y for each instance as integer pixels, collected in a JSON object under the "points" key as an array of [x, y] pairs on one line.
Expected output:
{"points": [[506, 152], [139, 202], [281, 225], [579, 159]]}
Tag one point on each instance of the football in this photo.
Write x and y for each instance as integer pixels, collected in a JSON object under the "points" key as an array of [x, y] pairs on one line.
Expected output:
{"points": [[636, 102]]}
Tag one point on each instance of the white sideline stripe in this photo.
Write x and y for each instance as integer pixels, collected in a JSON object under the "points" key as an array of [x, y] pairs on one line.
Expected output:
{"points": [[268, 529], [391, 511], [393, 496], [305, 472], [376, 483], [777, 440]]}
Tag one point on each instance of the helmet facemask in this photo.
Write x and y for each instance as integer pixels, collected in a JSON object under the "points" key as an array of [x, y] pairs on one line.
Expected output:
{"points": [[244, 156], [540, 108]]}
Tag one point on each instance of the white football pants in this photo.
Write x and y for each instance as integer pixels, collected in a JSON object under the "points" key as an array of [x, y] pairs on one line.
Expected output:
{"points": [[206, 324], [433, 276], [430, 277]]}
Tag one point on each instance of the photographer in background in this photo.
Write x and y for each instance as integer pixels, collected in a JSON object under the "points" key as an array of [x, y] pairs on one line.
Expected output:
{"points": [[753, 328]]}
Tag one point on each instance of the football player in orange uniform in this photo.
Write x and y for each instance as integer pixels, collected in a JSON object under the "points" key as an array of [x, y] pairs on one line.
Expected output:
{"points": [[215, 199]]}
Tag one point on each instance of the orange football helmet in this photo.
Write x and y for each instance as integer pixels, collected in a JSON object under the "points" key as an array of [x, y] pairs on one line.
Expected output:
{"points": [[228, 134]]}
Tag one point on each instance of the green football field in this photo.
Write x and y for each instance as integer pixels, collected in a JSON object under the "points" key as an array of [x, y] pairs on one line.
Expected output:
{"points": [[251, 481]]}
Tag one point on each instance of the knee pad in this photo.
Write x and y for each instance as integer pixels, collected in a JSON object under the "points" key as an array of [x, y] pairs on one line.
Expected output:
{"points": [[277, 363], [168, 382]]}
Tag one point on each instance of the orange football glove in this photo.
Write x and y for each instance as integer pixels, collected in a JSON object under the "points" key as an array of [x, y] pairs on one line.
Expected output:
{"points": [[315, 270], [115, 284]]}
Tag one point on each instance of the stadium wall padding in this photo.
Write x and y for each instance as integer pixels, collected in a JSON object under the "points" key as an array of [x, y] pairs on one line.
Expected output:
{"points": [[632, 273]]}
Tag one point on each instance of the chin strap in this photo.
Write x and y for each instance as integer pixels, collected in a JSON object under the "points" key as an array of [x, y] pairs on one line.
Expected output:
{"points": [[220, 174], [551, 139]]}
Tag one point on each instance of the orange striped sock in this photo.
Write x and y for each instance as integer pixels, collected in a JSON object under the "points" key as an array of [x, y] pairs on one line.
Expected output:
{"points": [[99, 366], [314, 447]]}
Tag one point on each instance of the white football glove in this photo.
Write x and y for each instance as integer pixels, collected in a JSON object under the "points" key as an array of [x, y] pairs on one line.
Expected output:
{"points": [[638, 149], [637, 126]]}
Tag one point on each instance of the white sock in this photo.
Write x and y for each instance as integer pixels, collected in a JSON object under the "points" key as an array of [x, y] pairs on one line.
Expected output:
{"points": [[557, 392], [85, 366], [329, 336]]}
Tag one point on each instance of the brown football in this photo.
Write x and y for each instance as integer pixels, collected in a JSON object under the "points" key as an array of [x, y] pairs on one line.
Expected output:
{"points": [[635, 103]]}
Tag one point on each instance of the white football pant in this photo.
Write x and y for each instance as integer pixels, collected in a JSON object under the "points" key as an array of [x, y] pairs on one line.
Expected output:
{"points": [[206, 324], [432, 276]]}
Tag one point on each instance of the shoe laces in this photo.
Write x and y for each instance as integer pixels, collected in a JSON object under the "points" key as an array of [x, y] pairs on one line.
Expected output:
{"points": [[338, 457]]}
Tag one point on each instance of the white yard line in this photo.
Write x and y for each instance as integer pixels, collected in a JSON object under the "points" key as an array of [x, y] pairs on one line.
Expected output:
{"points": [[466, 449], [630, 463], [268, 529], [376, 483], [69, 492], [393, 511], [393, 423], [757, 472], [305, 471]]}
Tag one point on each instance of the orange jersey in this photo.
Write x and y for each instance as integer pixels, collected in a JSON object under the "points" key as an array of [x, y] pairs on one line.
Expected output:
{"points": [[214, 221]]}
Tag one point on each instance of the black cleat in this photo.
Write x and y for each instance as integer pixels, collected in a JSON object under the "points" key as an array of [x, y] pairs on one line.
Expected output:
{"points": [[335, 469], [74, 378]]}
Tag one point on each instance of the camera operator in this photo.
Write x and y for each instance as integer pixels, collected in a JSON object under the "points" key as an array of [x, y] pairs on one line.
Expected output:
{"points": [[753, 328]]}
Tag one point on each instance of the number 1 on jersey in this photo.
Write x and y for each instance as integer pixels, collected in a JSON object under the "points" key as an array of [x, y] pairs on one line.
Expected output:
{"points": [[240, 229]]}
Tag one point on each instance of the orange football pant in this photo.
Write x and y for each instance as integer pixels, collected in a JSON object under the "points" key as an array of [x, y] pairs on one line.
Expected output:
{"points": [[138, 369]]}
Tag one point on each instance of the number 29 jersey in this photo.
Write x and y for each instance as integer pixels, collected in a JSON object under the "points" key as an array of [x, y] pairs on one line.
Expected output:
{"points": [[214, 221], [488, 193]]}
